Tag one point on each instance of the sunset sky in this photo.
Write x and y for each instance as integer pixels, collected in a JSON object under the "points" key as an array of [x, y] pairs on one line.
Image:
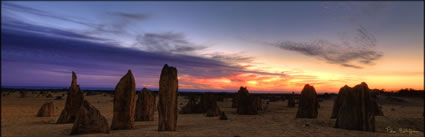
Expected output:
{"points": [[266, 46]]}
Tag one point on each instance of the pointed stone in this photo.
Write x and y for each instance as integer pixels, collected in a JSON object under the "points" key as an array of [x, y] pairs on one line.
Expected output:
{"points": [[73, 102], [342, 95], [247, 104], [191, 107], [167, 105], [339, 100], [308, 103], [145, 106], [209, 105], [123, 116], [357, 111], [47, 110], [89, 120]]}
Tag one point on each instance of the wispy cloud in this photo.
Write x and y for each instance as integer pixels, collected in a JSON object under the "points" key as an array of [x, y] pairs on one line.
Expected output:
{"points": [[15, 8], [169, 42], [117, 23], [55, 50], [348, 52]]}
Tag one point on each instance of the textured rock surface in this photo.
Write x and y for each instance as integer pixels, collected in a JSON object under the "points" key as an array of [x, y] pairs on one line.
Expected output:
{"points": [[341, 95], [47, 110], [89, 120], [123, 117], [191, 107], [308, 103], [167, 104], [209, 105], [73, 102], [339, 100], [247, 104], [357, 111], [375, 105], [145, 106]]}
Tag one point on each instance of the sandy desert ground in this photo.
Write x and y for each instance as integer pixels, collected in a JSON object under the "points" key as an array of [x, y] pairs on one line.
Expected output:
{"points": [[18, 118]]}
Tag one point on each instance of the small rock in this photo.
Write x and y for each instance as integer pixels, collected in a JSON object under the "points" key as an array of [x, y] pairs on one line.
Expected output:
{"points": [[223, 116], [47, 110]]}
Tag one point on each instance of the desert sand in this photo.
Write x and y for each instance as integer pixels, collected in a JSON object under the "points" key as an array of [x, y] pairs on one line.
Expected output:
{"points": [[18, 118]]}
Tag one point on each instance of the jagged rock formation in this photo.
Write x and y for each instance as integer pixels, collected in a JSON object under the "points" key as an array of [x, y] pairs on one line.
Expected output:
{"points": [[357, 111], [209, 105], [145, 106], [89, 120], [308, 103], [73, 102], [47, 110], [247, 104], [123, 117], [341, 95], [291, 100], [191, 107], [167, 105], [339, 100]]}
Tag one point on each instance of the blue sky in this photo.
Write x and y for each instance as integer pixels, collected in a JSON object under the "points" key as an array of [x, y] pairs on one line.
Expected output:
{"points": [[273, 40]]}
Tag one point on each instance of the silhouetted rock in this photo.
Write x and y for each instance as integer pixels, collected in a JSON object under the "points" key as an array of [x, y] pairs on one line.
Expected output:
{"points": [[43, 92], [124, 100], [357, 111], [308, 103], [89, 120], [47, 110], [375, 105], [22, 94], [59, 97], [145, 106], [223, 116], [247, 104], [167, 105], [342, 95], [291, 100], [339, 100], [220, 98], [49, 96], [73, 102], [209, 105], [92, 93], [191, 107]]}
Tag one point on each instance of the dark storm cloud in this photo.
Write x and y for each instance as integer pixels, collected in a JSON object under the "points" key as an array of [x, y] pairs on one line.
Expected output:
{"points": [[360, 50]]}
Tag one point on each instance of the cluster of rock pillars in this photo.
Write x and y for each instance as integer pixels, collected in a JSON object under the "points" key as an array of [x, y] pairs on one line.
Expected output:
{"points": [[354, 108]]}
